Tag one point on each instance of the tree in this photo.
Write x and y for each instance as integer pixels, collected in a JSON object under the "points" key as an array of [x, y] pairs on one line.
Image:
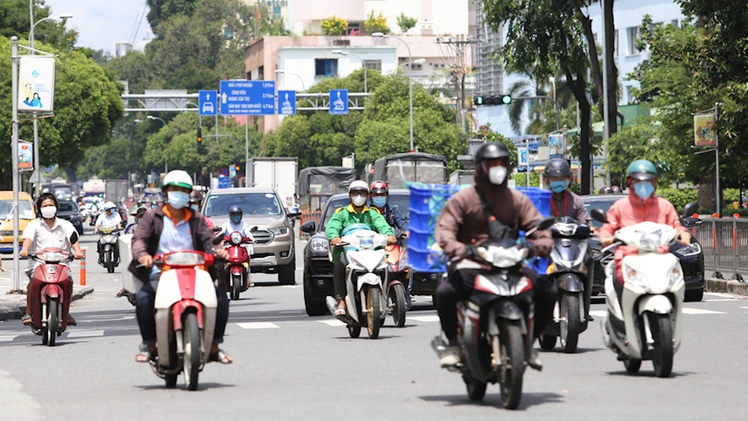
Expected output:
{"points": [[405, 23], [334, 26], [14, 21], [376, 23], [161, 10]]}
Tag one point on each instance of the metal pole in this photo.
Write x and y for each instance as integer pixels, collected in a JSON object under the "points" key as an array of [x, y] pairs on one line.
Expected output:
{"points": [[410, 86], [37, 170], [14, 153], [716, 158], [606, 122], [246, 149]]}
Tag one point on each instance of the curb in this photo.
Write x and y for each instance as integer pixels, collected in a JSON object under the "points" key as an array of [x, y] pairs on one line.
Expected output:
{"points": [[726, 286], [15, 312]]}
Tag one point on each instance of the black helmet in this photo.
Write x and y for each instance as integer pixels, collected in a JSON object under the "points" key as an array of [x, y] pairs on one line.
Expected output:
{"points": [[491, 150], [235, 210], [557, 167]]}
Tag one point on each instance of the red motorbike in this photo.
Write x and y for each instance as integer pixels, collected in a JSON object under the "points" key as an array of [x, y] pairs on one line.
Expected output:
{"points": [[51, 289], [236, 272], [398, 299]]}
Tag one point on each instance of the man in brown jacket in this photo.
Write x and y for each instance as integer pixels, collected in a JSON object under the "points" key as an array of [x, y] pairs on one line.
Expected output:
{"points": [[463, 225]]}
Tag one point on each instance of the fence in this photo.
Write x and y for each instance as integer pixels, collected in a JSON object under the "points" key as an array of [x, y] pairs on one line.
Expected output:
{"points": [[725, 247]]}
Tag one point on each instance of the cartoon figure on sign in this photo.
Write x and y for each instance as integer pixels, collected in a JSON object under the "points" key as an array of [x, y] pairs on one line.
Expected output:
{"points": [[27, 92], [339, 105], [286, 107], [36, 101]]}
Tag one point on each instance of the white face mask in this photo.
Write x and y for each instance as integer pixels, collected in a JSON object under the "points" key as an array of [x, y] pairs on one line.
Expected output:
{"points": [[497, 174], [358, 200], [48, 212]]}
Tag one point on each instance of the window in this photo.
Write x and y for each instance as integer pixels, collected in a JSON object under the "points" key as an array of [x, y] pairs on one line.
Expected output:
{"points": [[341, 42], [417, 66], [615, 45], [326, 67], [674, 22], [633, 35], [373, 65]]}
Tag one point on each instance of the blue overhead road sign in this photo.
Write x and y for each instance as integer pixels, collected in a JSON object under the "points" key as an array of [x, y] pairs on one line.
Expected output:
{"points": [[247, 97], [287, 102], [207, 102], [339, 101]]}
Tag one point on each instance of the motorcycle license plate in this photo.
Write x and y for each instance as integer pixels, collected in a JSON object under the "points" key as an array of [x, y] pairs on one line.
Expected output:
{"points": [[250, 249]]}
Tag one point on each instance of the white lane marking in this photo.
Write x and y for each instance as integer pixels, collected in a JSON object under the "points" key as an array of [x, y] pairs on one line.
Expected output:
{"points": [[598, 313], [257, 325], [424, 319], [108, 320], [85, 333], [332, 322], [7, 338], [744, 308], [700, 311], [718, 294], [15, 403], [291, 286]]}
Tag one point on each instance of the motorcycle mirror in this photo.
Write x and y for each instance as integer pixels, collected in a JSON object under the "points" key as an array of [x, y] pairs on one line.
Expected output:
{"points": [[598, 215], [545, 223], [691, 222], [217, 239], [216, 229], [690, 209], [254, 229]]}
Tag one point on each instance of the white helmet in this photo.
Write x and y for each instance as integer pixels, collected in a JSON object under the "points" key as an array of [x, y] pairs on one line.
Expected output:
{"points": [[178, 178], [109, 205], [359, 185]]}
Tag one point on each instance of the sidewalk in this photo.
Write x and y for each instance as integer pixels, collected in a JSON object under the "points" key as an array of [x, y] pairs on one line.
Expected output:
{"points": [[13, 305]]}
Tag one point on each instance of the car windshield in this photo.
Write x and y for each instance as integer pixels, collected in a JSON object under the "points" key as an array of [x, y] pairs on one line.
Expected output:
{"points": [[24, 209], [65, 206], [250, 203], [599, 202]]}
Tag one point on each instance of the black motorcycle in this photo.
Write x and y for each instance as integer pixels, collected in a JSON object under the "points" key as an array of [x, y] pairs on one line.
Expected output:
{"points": [[569, 271]]}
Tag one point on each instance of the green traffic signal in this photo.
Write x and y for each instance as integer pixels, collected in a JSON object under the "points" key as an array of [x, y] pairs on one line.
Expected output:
{"points": [[478, 100], [506, 99], [492, 100]]}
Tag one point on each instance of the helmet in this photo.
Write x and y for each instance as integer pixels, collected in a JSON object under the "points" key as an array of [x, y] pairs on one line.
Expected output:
{"points": [[641, 169], [605, 190], [109, 205], [557, 167], [358, 185], [178, 178], [491, 150], [196, 197], [140, 212], [379, 187], [235, 210]]}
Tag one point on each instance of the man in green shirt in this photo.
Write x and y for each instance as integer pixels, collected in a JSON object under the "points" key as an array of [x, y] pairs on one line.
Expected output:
{"points": [[355, 213]]}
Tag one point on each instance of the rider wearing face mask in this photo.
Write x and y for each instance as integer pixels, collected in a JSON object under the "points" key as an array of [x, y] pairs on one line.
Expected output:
{"points": [[641, 205], [558, 177], [235, 223], [355, 213], [379, 195], [463, 225]]}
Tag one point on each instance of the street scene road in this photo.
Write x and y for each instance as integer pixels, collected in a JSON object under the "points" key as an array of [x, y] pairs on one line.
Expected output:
{"points": [[289, 366]]}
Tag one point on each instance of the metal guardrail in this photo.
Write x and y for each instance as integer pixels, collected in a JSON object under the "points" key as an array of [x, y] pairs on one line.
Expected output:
{"points": [[725, 246]]}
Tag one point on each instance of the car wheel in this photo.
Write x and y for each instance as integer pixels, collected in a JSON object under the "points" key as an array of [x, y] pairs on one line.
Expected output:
{"points": [[696, 295], [313, 308], [287, 273]]}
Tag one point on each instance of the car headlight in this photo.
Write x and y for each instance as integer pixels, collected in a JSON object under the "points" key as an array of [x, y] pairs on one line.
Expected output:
{"points": [[692, 249], [319, 244], [279, 230]]}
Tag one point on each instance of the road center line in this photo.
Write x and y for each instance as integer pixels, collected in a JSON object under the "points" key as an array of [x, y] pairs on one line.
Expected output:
{"points": [[257, 325]]}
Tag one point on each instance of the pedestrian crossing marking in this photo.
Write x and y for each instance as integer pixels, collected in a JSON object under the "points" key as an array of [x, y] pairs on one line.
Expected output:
{"points": [[333, 322], [7, 338], [291, 286], [598, 313], [257, 325], [85, 333], [700, 311], [423, 319]]}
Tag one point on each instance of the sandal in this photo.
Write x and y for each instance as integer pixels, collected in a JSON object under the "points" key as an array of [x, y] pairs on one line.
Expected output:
{"points": [[27, 320], [220, 356], [145, 354], [71, 321], [339, 312]]}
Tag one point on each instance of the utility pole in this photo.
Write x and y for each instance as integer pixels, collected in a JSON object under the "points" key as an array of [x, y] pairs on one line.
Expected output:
{"points": [[460, 70]]}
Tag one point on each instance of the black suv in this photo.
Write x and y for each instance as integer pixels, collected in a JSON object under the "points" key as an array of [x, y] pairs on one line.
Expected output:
{"points": [[691, 256], [68, 210], [317, 266]]}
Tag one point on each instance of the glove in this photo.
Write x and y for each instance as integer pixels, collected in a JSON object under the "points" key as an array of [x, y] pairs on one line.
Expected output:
{"points": [[470, 251]]}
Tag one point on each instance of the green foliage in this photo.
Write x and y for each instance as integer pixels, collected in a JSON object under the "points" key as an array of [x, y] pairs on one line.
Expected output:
{"points": [[520, 179], [376, 23], [161, 10], [334, 26], [405, 23], [14, 21], [641, 141], [679, 197]]}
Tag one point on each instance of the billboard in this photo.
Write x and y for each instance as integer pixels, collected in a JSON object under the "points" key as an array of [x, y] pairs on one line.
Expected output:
{"points": [[36, 84], [702, 129]]}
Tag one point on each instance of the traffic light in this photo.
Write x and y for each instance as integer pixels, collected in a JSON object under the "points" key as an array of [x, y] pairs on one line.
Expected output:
{"points": [[200, 136], [236, 164], [492, 100]]}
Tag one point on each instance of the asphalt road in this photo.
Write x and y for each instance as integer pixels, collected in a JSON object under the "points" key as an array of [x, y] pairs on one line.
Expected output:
{"points": [[289, 366]]}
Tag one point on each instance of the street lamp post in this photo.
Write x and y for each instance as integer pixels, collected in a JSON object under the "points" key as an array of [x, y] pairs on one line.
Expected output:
{"points": [[166, 163], [410, 79], [284, 72], [555, 107], [33, 24], [346, 53]]}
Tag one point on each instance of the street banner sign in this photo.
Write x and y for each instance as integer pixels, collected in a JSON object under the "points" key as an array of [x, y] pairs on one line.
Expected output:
{"points": [[207, 102], [287, 102], [25, 155], [338, 101], [247, 97], [556, 145], [36, 84], [702, 129], [522, 157]]}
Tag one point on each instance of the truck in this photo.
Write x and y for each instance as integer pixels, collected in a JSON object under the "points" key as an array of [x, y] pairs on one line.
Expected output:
{"points": [[317, 184], [398, 169], [278, 173], [460, 177], [115, 190], [94, 187], [61, 189]]}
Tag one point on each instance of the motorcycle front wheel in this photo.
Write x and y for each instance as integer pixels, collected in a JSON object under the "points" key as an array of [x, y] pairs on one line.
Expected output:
{"points": [[373, 311], [53, 322], [662, 354], [236, 286], [512, 358], [109, 261], [570, 324], [397, 299], [191, 360]]}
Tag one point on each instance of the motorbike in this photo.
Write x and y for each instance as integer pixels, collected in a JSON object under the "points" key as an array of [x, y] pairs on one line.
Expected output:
{"points": [[94, 214], [236, 272], [643, 320], [51, 289], [495, 326], [185, 312], [570, 262], [110, 251], [398, 299], [366, 275]]}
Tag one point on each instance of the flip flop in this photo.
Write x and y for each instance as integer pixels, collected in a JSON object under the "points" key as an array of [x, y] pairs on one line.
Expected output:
{"points": [[26, 319], [220, 356], [145, 354], [339, 312]]}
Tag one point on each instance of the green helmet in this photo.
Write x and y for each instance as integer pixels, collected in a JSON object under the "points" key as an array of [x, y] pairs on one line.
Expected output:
{"points": [[641, 169]]}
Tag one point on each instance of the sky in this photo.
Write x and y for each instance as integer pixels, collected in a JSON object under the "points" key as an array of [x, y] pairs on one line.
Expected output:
{"points": [[101, 23]]}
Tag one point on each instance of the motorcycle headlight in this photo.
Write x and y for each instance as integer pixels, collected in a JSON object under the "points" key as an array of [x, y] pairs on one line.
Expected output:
{"points": [[676, 274], [236, 238], [279, 230], [319, 244], [631, 275], [692, 249]]}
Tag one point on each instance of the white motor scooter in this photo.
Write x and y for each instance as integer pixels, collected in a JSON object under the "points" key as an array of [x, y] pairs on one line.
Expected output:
{"points": [[643, 320], [366, 276]]}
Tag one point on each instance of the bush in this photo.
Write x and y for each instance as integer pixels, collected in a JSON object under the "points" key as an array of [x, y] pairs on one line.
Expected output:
{"points": [[334, 26], [376, 24], [680, 197]]}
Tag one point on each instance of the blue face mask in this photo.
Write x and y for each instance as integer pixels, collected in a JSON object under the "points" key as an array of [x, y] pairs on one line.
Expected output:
{"points": [[379, 201], [236, 218], [178, 199], [193, 207], [559, 186], [644, 189]]}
